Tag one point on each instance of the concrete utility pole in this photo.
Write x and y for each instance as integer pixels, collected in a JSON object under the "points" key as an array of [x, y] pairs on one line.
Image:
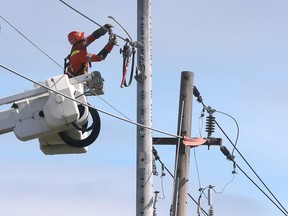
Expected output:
{"points": [[144, 181]]}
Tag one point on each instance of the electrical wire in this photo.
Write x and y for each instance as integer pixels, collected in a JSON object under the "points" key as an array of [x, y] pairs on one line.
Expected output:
{"points": [[135, 123], [282, 210], [37, 47], [170, 173], [238, 130], [129, 121], [202, 191], [162, 187], [200, 129], [102, 111], [77, 11], [197, 168], [200, 100], [248, 164], [175, 181], [219, 192], [48, 56], [201, 122]]}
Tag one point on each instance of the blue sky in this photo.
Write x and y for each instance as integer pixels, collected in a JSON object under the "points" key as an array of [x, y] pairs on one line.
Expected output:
{"points": [[238, 51]]}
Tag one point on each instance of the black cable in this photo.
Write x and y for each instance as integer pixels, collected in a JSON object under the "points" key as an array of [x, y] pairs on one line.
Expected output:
{"points": [[31, 42], [158, 158], [77, 11], [84, 104], [237, 136], [196, 93], [252, 169], [37, 47], [197, 169], [283, 211]]}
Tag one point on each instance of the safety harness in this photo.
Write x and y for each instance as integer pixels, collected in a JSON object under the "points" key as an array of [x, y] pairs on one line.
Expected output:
{"points": [[68, 68]]}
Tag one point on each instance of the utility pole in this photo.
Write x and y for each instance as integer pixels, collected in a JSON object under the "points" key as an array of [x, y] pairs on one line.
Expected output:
{"points": [[181, 179], [144, 181], [182, 161]]}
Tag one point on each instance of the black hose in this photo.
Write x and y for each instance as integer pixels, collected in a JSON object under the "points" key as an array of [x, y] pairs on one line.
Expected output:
{"points": [[92, 136]]}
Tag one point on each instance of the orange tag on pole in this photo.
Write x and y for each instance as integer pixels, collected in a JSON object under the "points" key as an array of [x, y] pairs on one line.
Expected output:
{"points": [[193, 141]]}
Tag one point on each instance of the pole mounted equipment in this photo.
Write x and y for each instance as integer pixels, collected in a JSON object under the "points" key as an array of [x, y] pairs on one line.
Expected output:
{"points": [[128, 51]]}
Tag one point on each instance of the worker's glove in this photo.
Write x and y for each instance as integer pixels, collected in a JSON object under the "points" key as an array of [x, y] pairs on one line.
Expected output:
{"points": [[113, 39], [102, 31], [108, 26]]}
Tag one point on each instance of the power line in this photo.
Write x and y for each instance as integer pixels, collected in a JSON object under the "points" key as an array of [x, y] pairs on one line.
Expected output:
{"points": [[200, 100], [248, 164], [77, 11], [129, 121], [37, 47], [48, 56], [197, 168], [102, 111], [170, 173], [237, 136], [282, 210]]}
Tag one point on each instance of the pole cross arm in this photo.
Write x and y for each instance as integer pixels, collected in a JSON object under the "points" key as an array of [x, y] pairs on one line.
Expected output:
{"points": [[192, 142]]}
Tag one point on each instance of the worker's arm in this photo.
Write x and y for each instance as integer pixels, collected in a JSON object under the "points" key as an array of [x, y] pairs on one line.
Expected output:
{"points": [[97, 34], [101, 55], [93, 58], [106, 50]]}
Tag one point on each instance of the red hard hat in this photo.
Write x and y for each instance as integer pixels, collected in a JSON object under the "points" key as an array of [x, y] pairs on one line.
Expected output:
{"points": [[75, 36]]}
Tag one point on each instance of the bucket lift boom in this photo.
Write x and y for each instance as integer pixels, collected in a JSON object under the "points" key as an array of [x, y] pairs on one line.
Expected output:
{"points": [[55, 113]]}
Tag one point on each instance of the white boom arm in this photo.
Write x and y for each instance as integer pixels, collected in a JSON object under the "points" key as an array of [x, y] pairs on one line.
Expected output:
{"points": [[47, 111]]}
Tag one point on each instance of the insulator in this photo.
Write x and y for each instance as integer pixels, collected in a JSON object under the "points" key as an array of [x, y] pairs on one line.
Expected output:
{"points": [[209, 196], [154, 168], [155, 153], [211, 211], [196, 93], [210, 125], [227, 153]]}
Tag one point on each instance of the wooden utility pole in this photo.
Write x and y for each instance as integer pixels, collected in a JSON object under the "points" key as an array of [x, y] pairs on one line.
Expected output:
{"points": [[144, 181], [182, 161], [181, 177]]}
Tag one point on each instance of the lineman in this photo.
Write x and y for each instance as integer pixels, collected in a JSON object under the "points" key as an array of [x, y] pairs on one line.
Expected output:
{"points": [[79, 58]]}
